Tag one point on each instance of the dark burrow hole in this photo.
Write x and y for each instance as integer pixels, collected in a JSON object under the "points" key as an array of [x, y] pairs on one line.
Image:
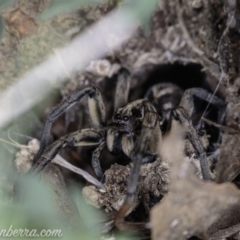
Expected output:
{"points": [[188, 76], [185, 76]]}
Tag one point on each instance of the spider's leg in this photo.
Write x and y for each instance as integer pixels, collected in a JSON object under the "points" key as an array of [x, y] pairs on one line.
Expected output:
{"points": [[187, 101], [148, 142], [127, 144], [96, 109], [95, 160], [181, 118], [85, 137], [122, 89]]}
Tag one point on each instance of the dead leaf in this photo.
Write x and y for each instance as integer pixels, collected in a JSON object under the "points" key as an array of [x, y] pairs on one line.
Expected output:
{"points": [[19, 22], [192, 205], [228, 166]]}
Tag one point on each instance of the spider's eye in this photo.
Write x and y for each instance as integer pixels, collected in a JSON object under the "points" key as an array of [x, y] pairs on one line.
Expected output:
{"points": [[136, 113], [175, 115], [125, 118], [117, 116]]}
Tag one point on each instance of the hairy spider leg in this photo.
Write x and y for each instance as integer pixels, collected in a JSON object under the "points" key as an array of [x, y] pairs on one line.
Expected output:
{"points": [[149, 140], [84, 137], [187, 101], [122, 89], [96, 110], [95, 160], [121, 98], [181, 118]]}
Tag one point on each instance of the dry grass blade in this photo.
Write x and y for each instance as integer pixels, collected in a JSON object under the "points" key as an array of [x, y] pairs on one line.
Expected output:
{"points": [[223, 128], [62, 162]]}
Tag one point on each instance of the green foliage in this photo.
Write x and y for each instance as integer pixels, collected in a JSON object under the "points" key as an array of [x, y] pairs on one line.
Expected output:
{"points": [[1, 27], [143, 10], [62, 6], [5, 3], [34, 208]]}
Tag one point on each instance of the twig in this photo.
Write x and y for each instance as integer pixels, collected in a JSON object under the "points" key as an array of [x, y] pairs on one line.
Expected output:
{"points": [[224, 34], [224, 128], [226, 232], [59, 161], [221, 62], [214, 68], [62, 162], [186, 33]]}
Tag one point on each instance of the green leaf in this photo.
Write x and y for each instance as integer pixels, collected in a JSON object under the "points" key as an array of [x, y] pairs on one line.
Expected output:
{"points": [[62, 6], [143, 10], [5, 3]]}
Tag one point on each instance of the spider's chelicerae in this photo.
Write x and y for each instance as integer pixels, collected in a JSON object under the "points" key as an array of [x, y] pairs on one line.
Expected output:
{"points": [[134, 129]]}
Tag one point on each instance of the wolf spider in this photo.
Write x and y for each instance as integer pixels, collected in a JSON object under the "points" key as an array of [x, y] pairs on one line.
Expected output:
{"points": [[133, 131]]}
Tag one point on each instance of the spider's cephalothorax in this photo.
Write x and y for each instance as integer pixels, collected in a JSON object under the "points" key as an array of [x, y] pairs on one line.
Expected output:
{"points": [[126, 125], [134, 129]]}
